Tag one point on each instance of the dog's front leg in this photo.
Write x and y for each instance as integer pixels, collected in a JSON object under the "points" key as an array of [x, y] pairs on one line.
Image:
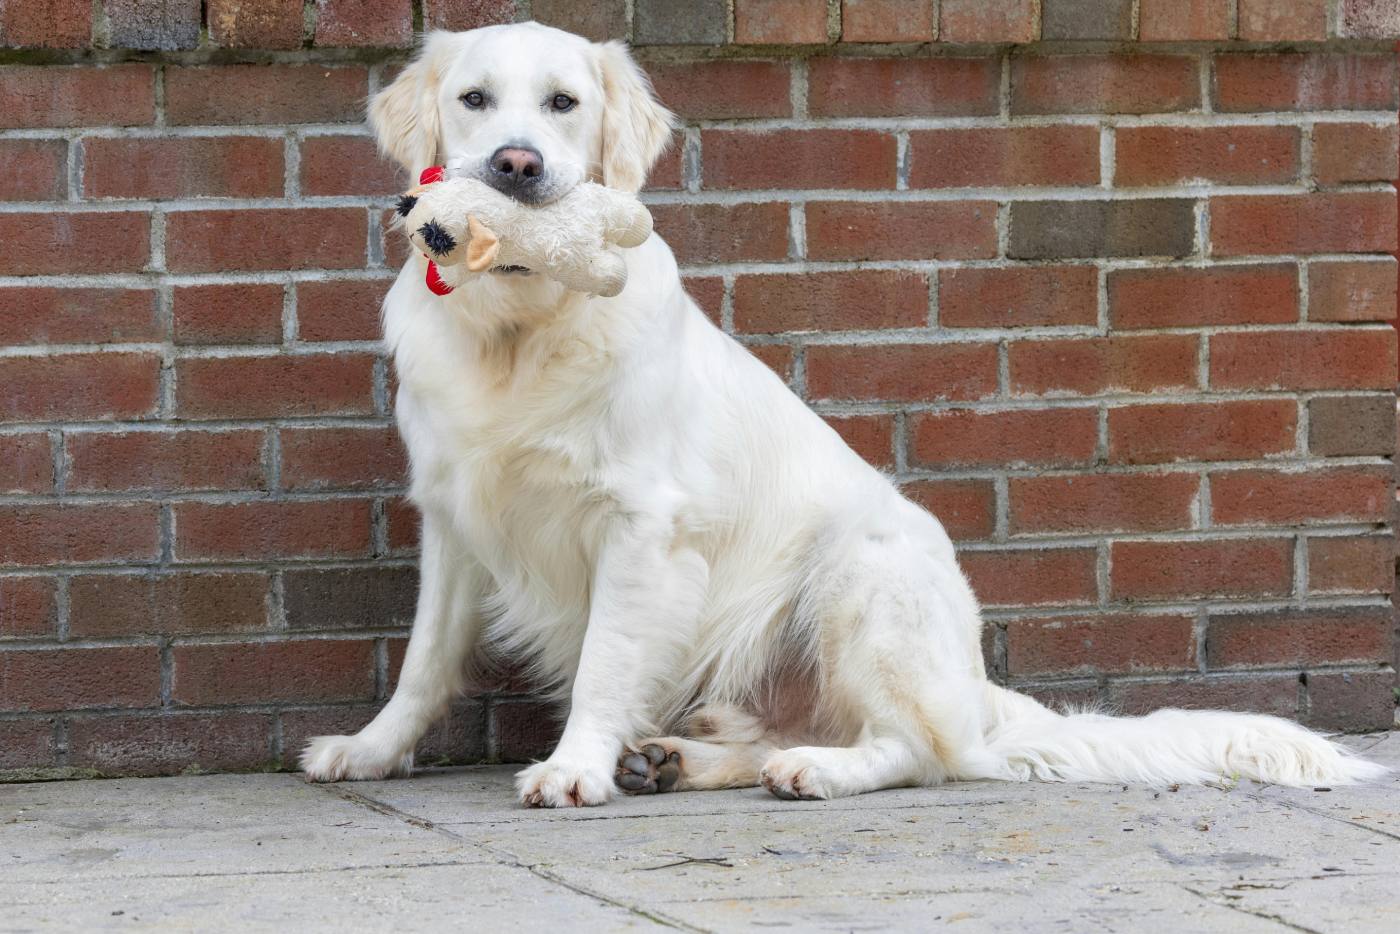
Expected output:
{"points": [[647, 594]]}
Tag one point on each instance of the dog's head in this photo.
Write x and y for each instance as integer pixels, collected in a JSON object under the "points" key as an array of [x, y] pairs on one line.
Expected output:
{"points": [[528, 109]]}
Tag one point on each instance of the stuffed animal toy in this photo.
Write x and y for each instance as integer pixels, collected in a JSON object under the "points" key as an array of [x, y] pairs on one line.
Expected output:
{"points": [[462, 222]]}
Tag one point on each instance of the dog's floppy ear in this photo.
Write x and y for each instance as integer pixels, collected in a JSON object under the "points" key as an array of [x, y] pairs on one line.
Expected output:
{"points": [[636, 128], [404, 116]]}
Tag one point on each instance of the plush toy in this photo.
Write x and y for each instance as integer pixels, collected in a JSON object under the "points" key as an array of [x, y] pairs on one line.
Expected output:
{"points": [[462, 222]]}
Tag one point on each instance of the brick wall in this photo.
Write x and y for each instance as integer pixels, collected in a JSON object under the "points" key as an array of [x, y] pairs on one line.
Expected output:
{"points": [[1105, 284]]}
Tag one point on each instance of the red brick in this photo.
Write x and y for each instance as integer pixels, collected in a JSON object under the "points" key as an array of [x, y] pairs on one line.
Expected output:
{"points": [[1031, 577], [1103, 503], [182, 167], [723, 89], [467, 14], [347, 165], [50, 24], [601, 19], [379, 23], [1040, 437], [61, 244], [337, 528], [165, 460], [82, 95], [342, 458], [403, 522], [1282, 497], [1201, 431], [255, 24], [67, 534], [28, 608], [1351, 564], [901, 372], [265, 238], [1251, 567], [966, 508], [1314, 359], [903, 87], [989, 20], [1107, 83], [1017, 296], [1178, 20], [235, 94], [74, 679], [523, 730], [79, 386], [724, 233], [870, 436], [245, 313], [1234, 155], [340, 309], [668, 173], [276, 386], [1305, 81], [1118, 643], [1088, 366], [830, 301], [1355, 152], [1004, 157], [1352, 291], [1271, 694], [458, 738], [779, 22], [33, 170], [269, 672], [1298, 637], [1324, 222], [1353, 701], [171, 744], [27, 466], [392, 242], [1282, 20], [708, 293], [49, 315], [106, 605], [862, 230], [888, 21], [777, 357], [1187, 296], [818, 158], [27, 744]]}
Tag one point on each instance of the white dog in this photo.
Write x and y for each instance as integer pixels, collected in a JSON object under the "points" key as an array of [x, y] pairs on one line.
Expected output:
{"points": [[616, 489]]}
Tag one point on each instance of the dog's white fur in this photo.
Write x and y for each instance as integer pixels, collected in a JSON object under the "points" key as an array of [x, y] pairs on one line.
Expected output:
{"points": [[619, 491]]}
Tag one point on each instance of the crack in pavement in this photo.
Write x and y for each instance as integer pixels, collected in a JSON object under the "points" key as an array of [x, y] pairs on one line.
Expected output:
{"points": [[304, 870], [1223, 902], [1296, 806]]}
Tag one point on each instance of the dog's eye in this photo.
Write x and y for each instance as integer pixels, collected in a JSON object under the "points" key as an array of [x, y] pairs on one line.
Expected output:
{"points": [[563, 103], [474, 99]]}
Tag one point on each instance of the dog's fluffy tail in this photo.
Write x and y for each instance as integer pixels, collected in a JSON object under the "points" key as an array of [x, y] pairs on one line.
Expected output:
{"points": [[1183, 746]]}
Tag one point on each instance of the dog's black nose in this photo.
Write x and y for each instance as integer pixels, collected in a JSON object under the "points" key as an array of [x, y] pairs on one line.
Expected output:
{"points": [[517, 165]]}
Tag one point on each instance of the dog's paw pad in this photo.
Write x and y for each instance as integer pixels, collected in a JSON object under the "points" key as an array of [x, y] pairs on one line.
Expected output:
{"points": [[648, 771]]}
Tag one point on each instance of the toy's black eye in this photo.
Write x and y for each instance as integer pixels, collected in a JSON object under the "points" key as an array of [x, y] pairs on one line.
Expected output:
{"points": [[563, 103], [474, 99]]}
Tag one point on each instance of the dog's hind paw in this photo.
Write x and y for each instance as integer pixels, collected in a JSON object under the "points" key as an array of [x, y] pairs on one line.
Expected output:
{"points": [[648, 771]]}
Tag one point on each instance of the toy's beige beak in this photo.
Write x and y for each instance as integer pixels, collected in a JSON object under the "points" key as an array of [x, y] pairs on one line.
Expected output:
{"points": [[482, 247]]}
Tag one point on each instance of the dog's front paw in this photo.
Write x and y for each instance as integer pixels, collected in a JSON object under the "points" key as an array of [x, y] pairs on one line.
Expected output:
{"points": [[350, 758], [553, 784]]}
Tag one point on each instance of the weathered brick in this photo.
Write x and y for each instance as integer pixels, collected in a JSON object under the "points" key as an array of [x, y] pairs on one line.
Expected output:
{"points": [[903, 87], [708, 293], [1282, 20], [1341, 426], [255, 24], [1370, 19], [80, 95], [523, 730], [1270, 694], [468, 14], [1355, 152], [902, 372], [862, 230], [403, 521], [57, 243], [965, 508], [1295, 497], [165, 460], [661, 22], [1004, 157], [1178, 20], [268, 672], [1234, 155], [342, 458], [265, 238], [78, 386], [243, 313], [1201, 431], [347, 165], [1323, 222], [870, 436], [1090, 366], [1343, 358], [1086, 19], [349, 598], [49, 24], [1209, 296], [27, 743], [1145, 227], [1017, 296], [1298, 637], [27, 465], [1352, 291], [340, 309], [888, 20], [28, 608], [238, 94], [171, 743], [1103, 83], [723, 89], [106, 605], [382, 23], [724, 233], [777, 357], [459, 738], [1359, 701], [73, 679], [779, 22], [166, 25], [1351, 564], [1031, 577], [829, 301], [820, 158], [52, 315], [1160, 570], [33, 170], [337, 528], [1305, 81], [1019, 437], [989, 20], [275, 386], [1116, 643], [1103, 503]]}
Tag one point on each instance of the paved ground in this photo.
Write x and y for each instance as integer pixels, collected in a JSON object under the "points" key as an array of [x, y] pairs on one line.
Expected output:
{"points": [[449, 849]]}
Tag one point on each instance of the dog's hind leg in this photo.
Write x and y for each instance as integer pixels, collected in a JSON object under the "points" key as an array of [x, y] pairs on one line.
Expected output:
{"points": [[725, 749]]}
